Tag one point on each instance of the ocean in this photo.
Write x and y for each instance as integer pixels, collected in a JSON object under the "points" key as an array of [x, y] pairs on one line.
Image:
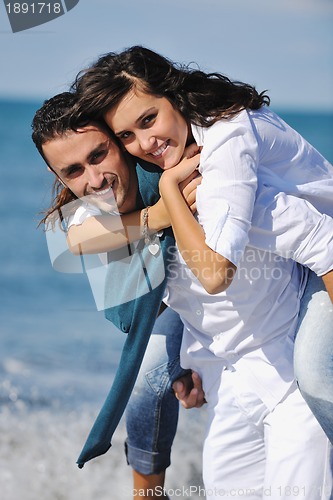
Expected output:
{"points": [[58, 354]]}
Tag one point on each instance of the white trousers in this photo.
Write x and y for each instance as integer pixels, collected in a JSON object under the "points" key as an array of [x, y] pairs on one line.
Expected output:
{"points": [[251, 452]]}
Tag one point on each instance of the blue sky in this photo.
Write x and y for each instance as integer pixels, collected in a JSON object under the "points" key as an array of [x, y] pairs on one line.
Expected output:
{"points": [[285, 46]]}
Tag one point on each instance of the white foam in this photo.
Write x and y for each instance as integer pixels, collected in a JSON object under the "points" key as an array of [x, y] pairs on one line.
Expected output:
{"points": [[39, 449]]}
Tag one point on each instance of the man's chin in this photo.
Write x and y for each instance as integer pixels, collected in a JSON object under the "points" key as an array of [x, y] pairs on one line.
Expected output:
{"points": [[104, 206], [108, 204]]}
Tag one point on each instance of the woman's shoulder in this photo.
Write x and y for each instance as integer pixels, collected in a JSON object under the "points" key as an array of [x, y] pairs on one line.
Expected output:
{"points": [[222, 129], [265, 115]]}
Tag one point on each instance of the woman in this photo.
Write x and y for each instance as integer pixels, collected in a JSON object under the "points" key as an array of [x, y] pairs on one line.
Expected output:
{"points": [[156, 109]]}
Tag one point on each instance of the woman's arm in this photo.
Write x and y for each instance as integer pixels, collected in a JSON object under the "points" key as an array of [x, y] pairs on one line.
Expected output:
{"points": [[225, 200], [104, 233], [214, 271]]}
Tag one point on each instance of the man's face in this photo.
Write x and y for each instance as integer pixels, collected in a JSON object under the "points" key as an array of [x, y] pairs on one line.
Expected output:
{"points": [[90, 164]]}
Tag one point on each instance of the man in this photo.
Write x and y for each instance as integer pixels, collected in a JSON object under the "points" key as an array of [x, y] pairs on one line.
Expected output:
{"points": [[88, 164]]}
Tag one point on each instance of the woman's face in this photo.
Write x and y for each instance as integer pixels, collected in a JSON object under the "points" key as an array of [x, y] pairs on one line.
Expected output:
{"points": [[150, 128]]}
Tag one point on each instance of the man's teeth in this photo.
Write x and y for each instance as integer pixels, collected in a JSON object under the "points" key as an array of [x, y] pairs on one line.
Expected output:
{"points": [[160, 150], [105, 191]]}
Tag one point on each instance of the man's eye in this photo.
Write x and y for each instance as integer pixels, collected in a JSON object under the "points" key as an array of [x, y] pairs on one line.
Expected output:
{"points": [[73, 172], [99, 156]]}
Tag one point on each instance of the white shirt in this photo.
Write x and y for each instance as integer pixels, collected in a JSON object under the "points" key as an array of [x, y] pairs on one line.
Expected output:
{"points": [[254, 160], [246, 162], [83, 212], [253, 320]]}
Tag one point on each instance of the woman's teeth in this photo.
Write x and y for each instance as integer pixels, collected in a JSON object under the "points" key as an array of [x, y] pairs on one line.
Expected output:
{"points": [[160, 150]]}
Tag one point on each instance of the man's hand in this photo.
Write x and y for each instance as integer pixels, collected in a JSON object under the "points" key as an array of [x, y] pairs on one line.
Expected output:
{"points": [[188, 390]]}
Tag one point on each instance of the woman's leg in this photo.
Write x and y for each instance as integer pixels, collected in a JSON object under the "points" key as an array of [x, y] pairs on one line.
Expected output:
{"points": [[314, 352], [297, 452], [253, 452], [234, 448], [152, 412]]}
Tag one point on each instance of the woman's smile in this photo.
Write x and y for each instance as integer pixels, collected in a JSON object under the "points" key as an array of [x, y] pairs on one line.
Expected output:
{"points": [[148, 125]]}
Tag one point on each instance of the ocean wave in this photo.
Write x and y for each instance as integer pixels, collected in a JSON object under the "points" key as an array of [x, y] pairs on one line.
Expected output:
{"points": [[39, 449]]}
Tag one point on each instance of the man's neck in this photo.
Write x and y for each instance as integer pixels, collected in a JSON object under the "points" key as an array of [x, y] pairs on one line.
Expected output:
{"points": [[130, 203]]}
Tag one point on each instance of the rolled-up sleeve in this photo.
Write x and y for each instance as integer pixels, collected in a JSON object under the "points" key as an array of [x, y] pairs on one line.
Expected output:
{"points": [[316, 250], [225, 198], [293, 228], [82, 213]]}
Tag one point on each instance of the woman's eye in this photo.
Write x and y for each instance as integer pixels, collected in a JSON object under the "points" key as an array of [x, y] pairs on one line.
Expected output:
{"points": [[125, 135], [148, 119]]}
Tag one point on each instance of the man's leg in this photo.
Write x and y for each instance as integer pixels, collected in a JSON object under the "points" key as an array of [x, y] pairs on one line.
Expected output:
{"points": [[152, 412], [314, 352]]}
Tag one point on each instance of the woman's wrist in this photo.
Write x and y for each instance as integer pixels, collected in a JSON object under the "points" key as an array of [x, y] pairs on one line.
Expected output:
{"points": [[168, 186], [158, 218]]}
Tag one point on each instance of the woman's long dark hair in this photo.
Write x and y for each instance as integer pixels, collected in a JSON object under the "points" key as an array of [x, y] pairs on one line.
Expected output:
{"points": [[202, 98]]}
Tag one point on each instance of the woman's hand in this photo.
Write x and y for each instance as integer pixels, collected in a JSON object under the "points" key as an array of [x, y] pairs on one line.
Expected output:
{"points": [[159, 216], [180, 172], [188, 188], [191, 150], [214, 271]]}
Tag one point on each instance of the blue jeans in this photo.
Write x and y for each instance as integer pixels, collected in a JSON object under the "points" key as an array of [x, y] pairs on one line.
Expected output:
{"points": [[313, 355], [152, 411]]}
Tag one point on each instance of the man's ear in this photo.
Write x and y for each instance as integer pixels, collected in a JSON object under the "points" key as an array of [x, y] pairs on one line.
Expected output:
{"points": [[57, 176], [62, 182]]}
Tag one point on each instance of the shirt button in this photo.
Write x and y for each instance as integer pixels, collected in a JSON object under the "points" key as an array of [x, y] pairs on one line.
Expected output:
{"points": [[198, 312]]}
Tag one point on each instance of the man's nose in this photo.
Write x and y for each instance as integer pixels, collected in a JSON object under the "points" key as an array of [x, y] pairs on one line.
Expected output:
{"points": [[95, 177]]}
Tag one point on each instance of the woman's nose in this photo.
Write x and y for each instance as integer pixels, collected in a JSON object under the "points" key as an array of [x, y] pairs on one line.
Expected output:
{"points": [[147, 142]]}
